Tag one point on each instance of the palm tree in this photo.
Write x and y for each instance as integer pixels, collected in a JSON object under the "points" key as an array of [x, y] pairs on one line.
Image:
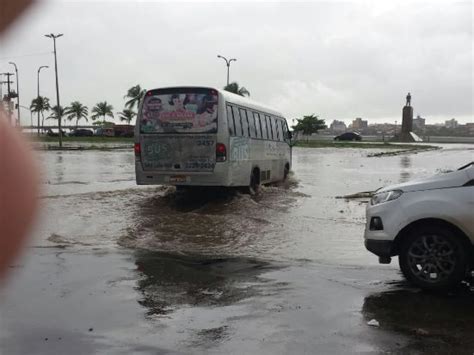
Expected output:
{"points": [[56, 112], [77, 111], [40, 105], [135, 94], [234, 88], [102, 109], [127, 115]]}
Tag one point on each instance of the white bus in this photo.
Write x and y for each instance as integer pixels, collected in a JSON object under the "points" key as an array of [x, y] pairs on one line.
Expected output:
{"points": [[197, 136]]}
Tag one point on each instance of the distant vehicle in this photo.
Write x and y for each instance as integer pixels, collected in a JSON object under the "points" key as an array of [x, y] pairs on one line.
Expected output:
{"points": [[196, 136], [429, 224], [123, 130], [51, 133], [105, 132], [81, 133], [348, 136]]}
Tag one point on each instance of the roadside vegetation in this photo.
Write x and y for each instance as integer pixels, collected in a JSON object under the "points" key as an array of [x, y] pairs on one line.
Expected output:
{"points": [[77, 112], [361, 145], [93, 139], [390, 149]]}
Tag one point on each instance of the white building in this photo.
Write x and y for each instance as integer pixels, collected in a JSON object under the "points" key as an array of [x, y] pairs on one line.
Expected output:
{"points": [[452, 123], [338, 126]]}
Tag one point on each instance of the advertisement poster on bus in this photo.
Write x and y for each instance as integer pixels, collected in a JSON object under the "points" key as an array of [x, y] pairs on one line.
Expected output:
{"points": [[179, 113]]}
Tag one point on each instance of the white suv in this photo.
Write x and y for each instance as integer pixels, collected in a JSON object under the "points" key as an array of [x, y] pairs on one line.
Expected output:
{"points": [[429, 224]]}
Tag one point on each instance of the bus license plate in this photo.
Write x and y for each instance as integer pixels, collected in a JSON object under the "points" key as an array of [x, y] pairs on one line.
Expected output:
{"points": [[179, 178]]}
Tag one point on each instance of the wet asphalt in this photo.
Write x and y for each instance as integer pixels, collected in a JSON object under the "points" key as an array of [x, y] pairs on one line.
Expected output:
{"points": [[113, 268]]}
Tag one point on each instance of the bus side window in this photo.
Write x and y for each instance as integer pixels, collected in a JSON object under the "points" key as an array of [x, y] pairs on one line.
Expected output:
{"points": [[258, 131], [272, 127], [269, 127], [273, 121], [286, 136], [238, 126], [280, 130], [252, 129], [230, 120], [245, 122], [275, 128], [263, 125]]}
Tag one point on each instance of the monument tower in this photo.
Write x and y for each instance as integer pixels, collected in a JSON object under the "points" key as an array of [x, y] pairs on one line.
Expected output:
{"points": [[407, 134]]}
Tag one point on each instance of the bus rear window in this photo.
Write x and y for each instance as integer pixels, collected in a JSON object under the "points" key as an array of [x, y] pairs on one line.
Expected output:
{"points": [[179, 111]]}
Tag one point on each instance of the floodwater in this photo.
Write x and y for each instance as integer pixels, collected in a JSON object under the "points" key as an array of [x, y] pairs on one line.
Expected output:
{"points": [[117, 268]]}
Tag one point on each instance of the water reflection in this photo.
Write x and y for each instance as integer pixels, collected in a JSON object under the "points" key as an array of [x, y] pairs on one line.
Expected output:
{"points": [[405, 165], [59, 168], [437, 322], [171, 280]]}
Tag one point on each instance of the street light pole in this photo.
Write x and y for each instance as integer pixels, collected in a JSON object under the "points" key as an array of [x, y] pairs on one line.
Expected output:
{"points": [[17, 92], [227, 62], [53, 36], [38, 81]]}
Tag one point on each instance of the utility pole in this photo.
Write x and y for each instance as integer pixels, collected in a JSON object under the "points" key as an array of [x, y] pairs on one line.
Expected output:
{"points": [[17, 92], [227, 62], [8, 82], [9, 94], [53, 36]]}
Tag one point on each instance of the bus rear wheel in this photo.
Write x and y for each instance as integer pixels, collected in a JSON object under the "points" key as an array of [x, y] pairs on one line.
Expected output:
{"points": [[286, 172], [254, 186]]}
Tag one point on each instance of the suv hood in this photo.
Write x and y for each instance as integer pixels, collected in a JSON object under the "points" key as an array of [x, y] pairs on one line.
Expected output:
{"points": [[441, 181]]}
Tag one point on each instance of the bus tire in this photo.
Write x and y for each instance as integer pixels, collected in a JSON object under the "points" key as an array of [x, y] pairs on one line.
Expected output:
{"points": [[286, 172], [254, 186]]}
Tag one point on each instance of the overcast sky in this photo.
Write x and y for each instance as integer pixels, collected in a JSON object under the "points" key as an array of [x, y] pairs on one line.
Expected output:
{"points": [[339, 60]]}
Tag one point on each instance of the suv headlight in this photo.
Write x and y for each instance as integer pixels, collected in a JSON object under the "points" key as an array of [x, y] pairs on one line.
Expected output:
{"points": [[386, 196]]}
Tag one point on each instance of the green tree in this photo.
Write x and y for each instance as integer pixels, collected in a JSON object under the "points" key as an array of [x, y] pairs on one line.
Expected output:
{"points": [[57, 112], [40, 105], [77, 111], [102, 109], [236, 89], [135, 94], [309, 124], [127, 115]]}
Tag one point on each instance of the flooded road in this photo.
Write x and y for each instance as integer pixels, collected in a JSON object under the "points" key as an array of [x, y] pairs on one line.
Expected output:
{"points": [[117, 268]]}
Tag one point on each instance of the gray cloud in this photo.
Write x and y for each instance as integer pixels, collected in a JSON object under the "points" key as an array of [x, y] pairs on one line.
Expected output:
{"points": [[340, 60]]}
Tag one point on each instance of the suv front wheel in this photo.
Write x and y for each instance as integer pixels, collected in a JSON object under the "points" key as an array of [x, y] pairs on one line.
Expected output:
{"points": [[433, 258]]}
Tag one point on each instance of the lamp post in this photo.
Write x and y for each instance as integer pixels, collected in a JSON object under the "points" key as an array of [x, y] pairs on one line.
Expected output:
{"points": [[53, 36], [17, 92], [38, 81], [227, 62]]}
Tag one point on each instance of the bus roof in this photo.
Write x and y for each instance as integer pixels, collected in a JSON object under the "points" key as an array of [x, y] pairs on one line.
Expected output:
{"points": [[232, 98]]}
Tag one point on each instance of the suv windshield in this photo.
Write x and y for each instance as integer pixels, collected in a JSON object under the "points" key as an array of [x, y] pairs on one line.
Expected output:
{"points": [[179, 111]]}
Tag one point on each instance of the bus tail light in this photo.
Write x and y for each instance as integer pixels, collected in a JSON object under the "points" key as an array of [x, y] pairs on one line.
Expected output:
{"points": [[221, 152], [138, 149]]}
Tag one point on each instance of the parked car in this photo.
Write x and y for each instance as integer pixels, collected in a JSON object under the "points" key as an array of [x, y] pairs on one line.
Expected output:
{"points": [[81, 133], [348, 136], [124, 130], [429, 224], [51, 133], [105, 132]]}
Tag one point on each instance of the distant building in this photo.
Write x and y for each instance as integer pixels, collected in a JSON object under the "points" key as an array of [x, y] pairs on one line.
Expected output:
{"points": [[470, 128], [452, 123], [338, 126], [419, 123], [359, 124]]}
